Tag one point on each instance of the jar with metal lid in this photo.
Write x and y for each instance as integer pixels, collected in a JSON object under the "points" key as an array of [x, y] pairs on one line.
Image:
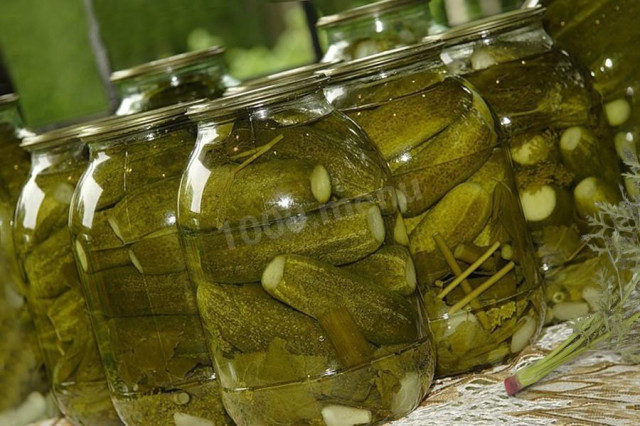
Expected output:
{"points": [[376, 27], [21, 371], [177, 79], [604, 35], [307, 295], [52, 285], [562, 149], [133, 273], [464, 225]]}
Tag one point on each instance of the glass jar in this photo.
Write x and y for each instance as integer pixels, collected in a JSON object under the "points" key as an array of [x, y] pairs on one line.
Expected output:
{"points": [[465, 229], [177, 79], [140, 298], [307, 297], [52, 290], [604, 35], [562, 149], [376, 27], [20, 362]]}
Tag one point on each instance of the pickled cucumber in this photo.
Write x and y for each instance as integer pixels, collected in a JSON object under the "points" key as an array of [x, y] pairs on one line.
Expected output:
{"points": [[51, 216], [592, 191], [315, 288], [338, 234], [147, 210], [100, 260], [459, 217], [247, 319], [128, 170], [390, 267], [99, 234], [275, 188], [547, 205], [557, 98], [158, 255], [448, 159], [396, 133], [50, 267], [584, 155], [126, 292], [355, 167]]}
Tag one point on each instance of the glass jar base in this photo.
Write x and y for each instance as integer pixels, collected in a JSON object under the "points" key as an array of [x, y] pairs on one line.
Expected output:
{"points": [[86, 403], [384, 389], [201, 401]]}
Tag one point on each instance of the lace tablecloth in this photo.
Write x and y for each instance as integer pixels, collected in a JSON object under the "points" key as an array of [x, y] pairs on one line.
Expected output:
{"points": [[599, 388], [596, 389]]}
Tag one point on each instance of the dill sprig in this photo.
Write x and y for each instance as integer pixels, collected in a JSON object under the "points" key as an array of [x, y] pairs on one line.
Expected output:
{"points": [[616, 240]]}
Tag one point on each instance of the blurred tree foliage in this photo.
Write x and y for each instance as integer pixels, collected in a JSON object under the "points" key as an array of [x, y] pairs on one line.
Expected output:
{"points": [[50, 60]]}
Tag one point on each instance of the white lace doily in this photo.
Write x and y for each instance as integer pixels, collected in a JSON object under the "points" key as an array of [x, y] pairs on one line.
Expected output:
{"points": [[599, 388]]}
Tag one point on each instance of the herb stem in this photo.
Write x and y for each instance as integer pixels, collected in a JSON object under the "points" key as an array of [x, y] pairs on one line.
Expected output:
{"points": [[455, 268], [574, 346], [258, 153], [482, 288], [470, 270]]}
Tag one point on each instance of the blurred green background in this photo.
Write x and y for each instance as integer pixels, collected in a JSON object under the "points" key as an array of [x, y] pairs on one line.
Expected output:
{"points": [[48, 48]]}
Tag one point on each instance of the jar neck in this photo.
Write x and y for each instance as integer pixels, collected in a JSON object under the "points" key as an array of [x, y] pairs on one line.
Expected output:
{"points": [[288, 112], [398, 27], [69, 156], [177, 132], [523, 42], [205, 79], [339, 93]]}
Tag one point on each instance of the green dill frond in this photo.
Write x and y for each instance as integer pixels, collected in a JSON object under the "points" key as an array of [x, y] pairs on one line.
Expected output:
{"points": [[616, 240]]}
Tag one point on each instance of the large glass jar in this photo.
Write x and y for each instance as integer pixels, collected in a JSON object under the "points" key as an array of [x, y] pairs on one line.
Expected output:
{"points": [[52, 285], [604, 35], [376, 27], [20, 361], [465, 228], [177, 79], [140, 298], [307, 295], [562, 149]]}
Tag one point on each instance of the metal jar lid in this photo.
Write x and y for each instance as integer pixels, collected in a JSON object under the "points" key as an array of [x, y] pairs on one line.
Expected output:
{"points": [[127, 124], [297, 73], [167, 64], [429, 48], [372, 9], [61, 136], [501, 23], [257, 97]]}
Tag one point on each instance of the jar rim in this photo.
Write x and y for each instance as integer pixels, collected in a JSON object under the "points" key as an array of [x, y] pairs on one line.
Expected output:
{"points": [[257, 97], [167, 64], [282, 76], [364, 11], [60, 136], [126, 124], [8, 99], [391, 59], [494, 24]]}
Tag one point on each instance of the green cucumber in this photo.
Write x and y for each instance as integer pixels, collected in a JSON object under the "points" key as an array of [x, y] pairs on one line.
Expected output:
{"points": [[316, 288]]}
